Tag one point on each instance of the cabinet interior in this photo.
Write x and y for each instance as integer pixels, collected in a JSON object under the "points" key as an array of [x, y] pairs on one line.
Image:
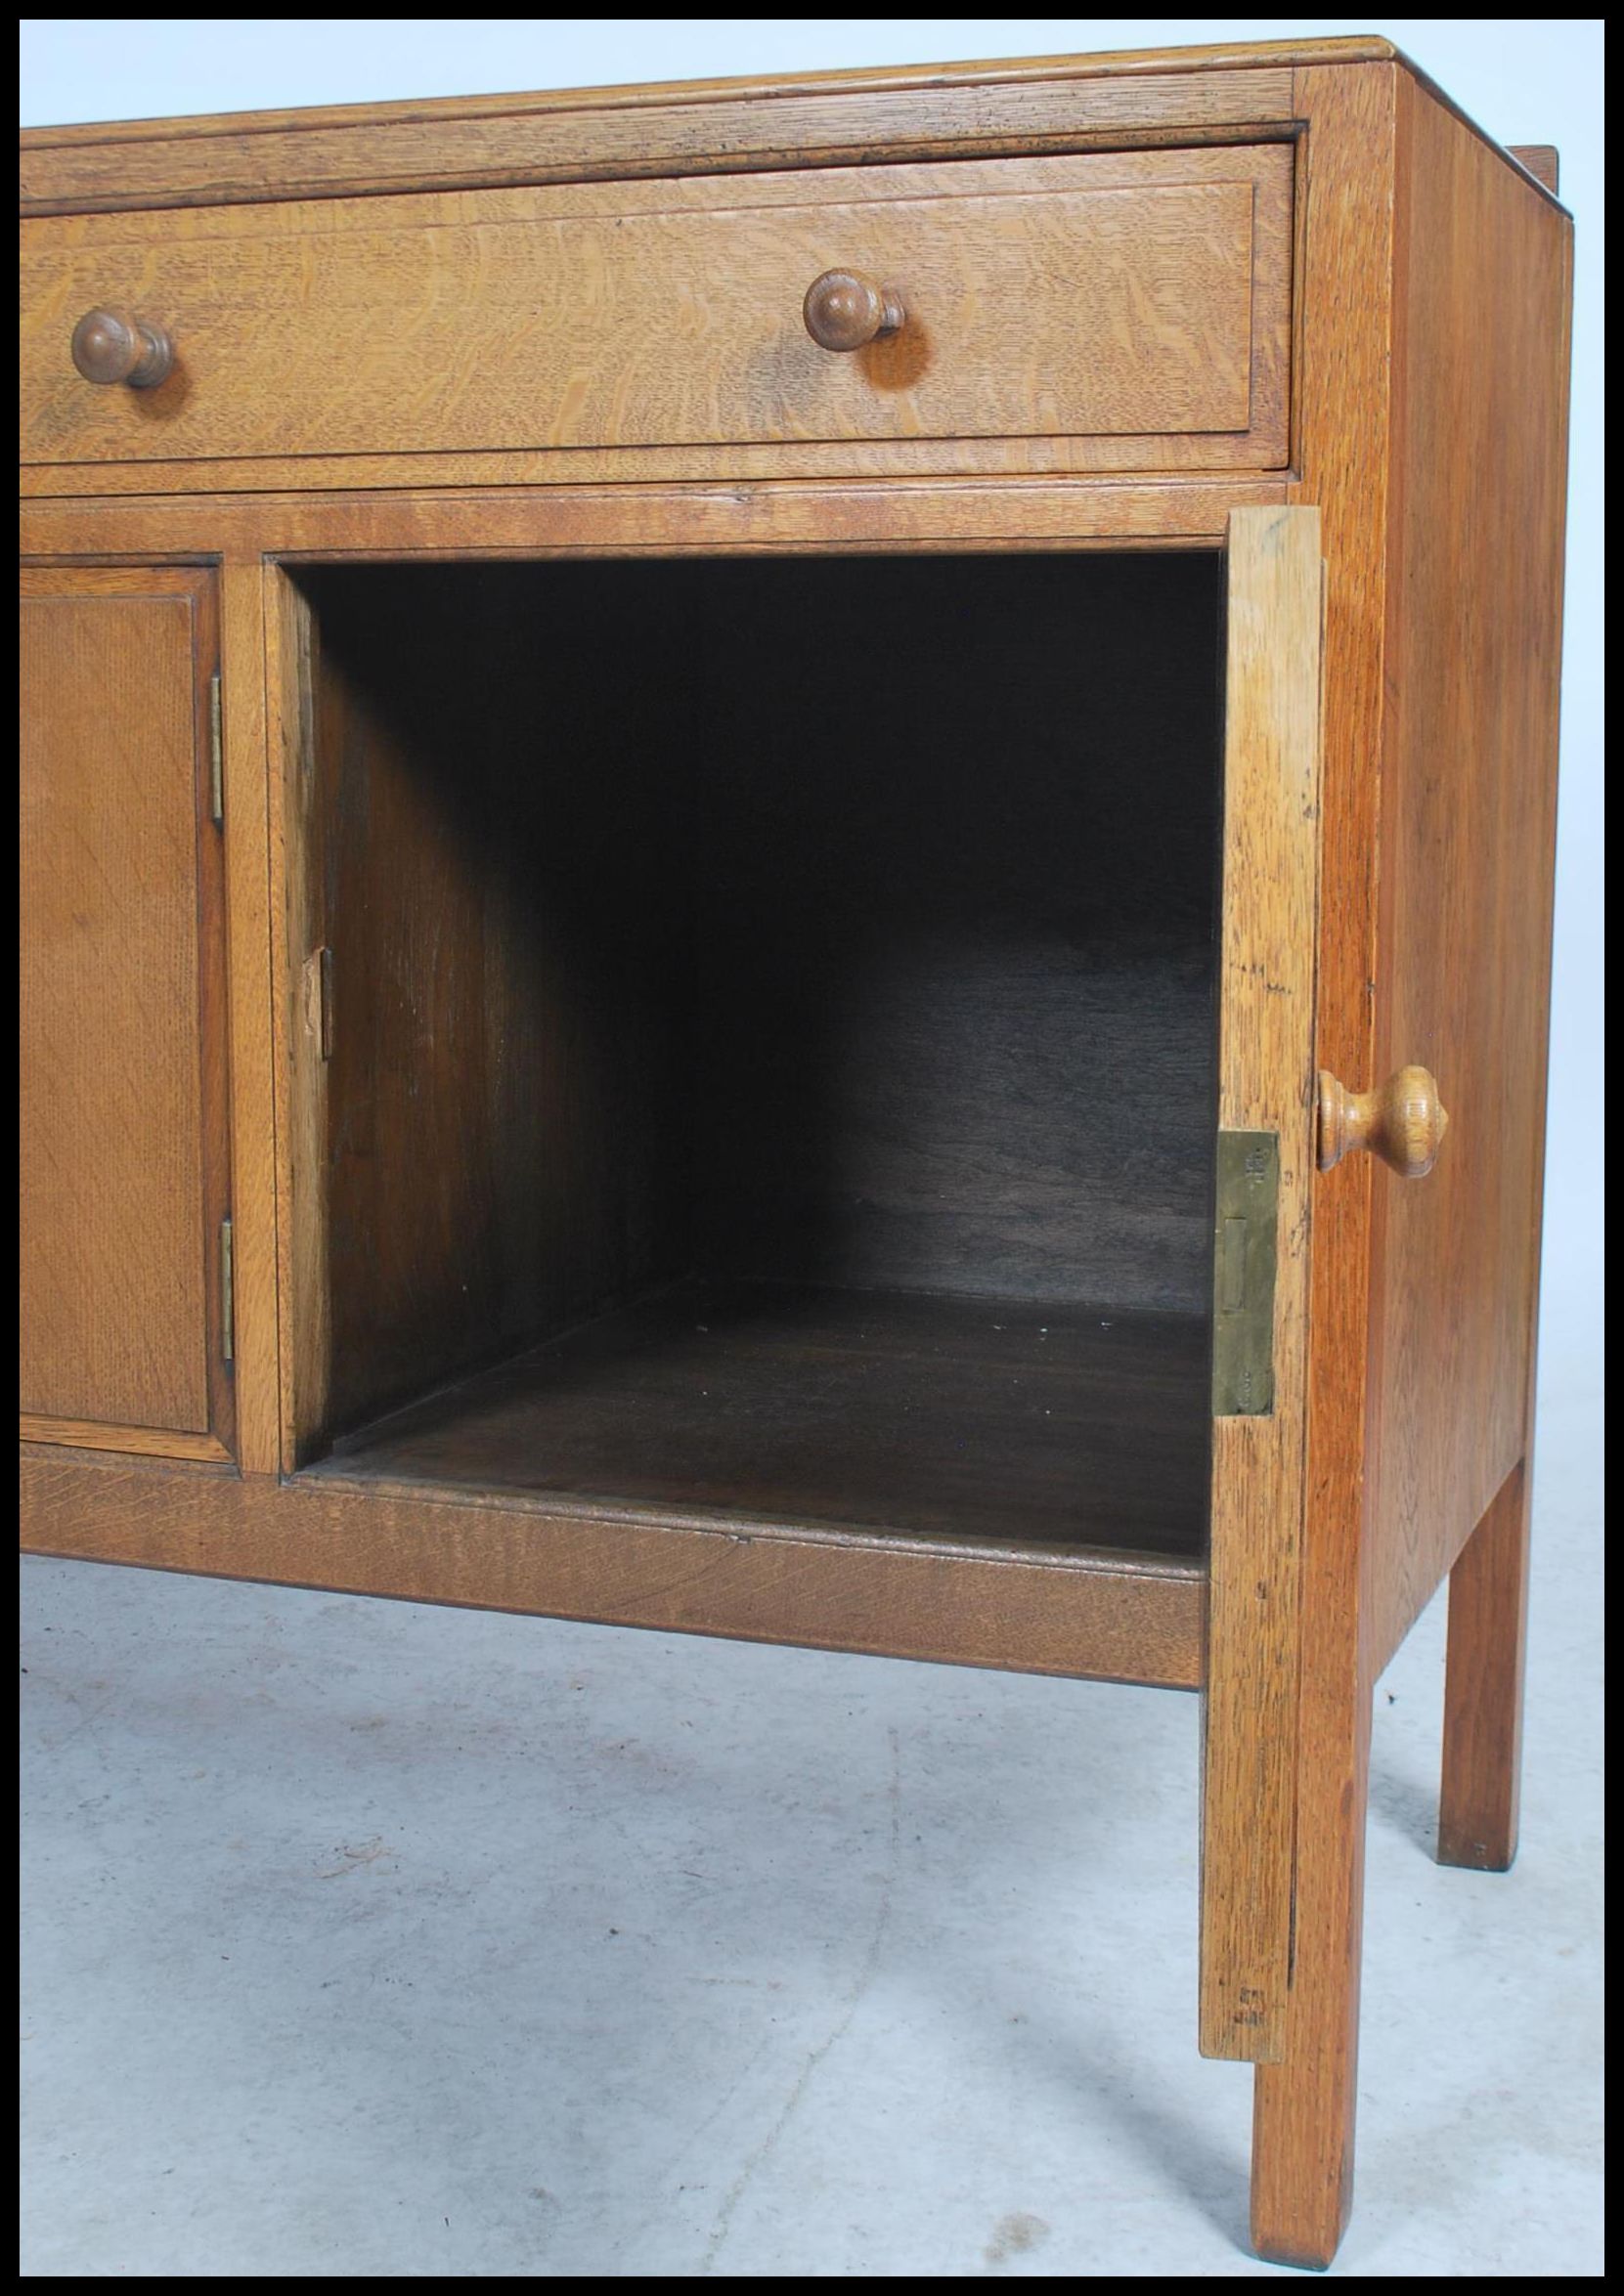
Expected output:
{"points": [[755, 1035]]}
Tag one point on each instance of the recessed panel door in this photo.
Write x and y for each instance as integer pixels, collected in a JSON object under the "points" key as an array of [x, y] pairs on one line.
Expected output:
{"points": [[125, 1335]]}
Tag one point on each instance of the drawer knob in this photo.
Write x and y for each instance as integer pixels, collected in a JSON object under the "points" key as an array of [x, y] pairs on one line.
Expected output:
{"points": [[1402, 1121], [842, 311], [113, 347]]}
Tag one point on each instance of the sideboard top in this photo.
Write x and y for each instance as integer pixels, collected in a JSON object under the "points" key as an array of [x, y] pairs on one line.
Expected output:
{"points": [[804, 120], [1107, 64]]}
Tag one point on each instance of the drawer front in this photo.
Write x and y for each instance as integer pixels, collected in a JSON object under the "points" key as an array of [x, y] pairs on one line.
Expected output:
{"points": [[1134, 305]]}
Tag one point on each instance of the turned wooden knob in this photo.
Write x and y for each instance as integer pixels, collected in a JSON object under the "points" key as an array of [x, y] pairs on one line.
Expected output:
{"points": [[114, 347], [1402, 1121], [842, 311]]}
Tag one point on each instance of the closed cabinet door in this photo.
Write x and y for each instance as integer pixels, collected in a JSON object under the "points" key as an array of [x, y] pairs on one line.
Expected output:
{"points": [[125, 1341]]}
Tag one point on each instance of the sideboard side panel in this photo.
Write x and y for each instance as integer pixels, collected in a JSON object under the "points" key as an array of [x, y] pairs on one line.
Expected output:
{"points": [[1465, 843]]}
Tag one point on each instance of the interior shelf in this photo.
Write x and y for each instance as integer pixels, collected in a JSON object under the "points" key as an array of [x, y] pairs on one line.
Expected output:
{"points": [[998, 1420]]}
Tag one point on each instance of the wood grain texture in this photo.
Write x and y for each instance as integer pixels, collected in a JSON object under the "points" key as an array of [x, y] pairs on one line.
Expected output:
{"points": [[1365, 205], [254, 1136], [501, 1064], [515, 521], [1467, 837], [817, 120], [94, 1435], [1265, 1084], [116, 347], [876, 462], [842, 311], [1302, 2125], [1482, 1713], [297, 939], [644, 96], [1403, 1121], [1543, 162], [938, 80], [1116, 1618], [1135, 296], [124, 1151], [1015, 1422]]}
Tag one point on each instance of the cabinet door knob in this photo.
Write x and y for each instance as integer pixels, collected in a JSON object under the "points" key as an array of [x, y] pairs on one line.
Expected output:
{"points": [[1402, 1121], [842, 310], [114, 347]]}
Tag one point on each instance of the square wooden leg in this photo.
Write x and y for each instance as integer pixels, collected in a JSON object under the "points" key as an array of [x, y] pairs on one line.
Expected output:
{"points": [[1303, 2112], [1482, 1714]]}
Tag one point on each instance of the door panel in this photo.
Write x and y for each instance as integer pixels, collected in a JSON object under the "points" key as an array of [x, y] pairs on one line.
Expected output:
{"points": [[124, 1148], [1270, 879]]}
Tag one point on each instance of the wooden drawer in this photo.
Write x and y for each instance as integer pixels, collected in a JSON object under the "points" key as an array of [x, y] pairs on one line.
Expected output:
{"points": [[1117, 311]]}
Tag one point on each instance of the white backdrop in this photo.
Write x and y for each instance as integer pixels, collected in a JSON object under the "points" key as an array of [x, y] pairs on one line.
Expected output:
{"points": [[1525, 79]]}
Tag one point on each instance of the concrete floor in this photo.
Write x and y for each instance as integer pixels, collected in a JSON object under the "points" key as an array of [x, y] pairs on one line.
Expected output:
{"points": [[367, 1939]]}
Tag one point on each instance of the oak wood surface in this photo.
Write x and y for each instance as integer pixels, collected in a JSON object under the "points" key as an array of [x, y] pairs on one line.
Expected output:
{"points": [[1134, 1619], [1469, 790], [817, 120], [1402, 1121], [1543, 162], [256, 1375], [807, 120], [98, 1434], [1007, 1421], [300, 806], [1130, 297], [1270, 867], [116, 347], [1367, 196], [643, 96], [1303, 2113], [286, 630], [842, 310], [123, 1152], [488, 862], [1194, 459], [1483, 1715], [514, 518]]}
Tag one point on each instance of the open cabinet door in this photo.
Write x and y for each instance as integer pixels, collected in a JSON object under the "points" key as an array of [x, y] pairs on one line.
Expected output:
{"points": [[1269, 901]]}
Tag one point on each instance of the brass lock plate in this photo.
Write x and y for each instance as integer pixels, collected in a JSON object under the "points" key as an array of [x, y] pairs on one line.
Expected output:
{"points": [[1246, 1248]]}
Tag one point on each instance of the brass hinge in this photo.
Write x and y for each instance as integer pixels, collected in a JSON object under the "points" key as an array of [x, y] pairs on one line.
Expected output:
{"points": [[228, 1294], [1245, 1249], [316, 1000], [216, 765]]}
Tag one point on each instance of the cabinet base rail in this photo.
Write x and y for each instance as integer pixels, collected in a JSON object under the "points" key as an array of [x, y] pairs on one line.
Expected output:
{"points": [[1112, 1617]]}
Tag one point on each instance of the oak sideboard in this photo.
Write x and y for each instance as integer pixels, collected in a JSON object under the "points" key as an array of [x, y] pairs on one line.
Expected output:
{"points": [[787, 860]]}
